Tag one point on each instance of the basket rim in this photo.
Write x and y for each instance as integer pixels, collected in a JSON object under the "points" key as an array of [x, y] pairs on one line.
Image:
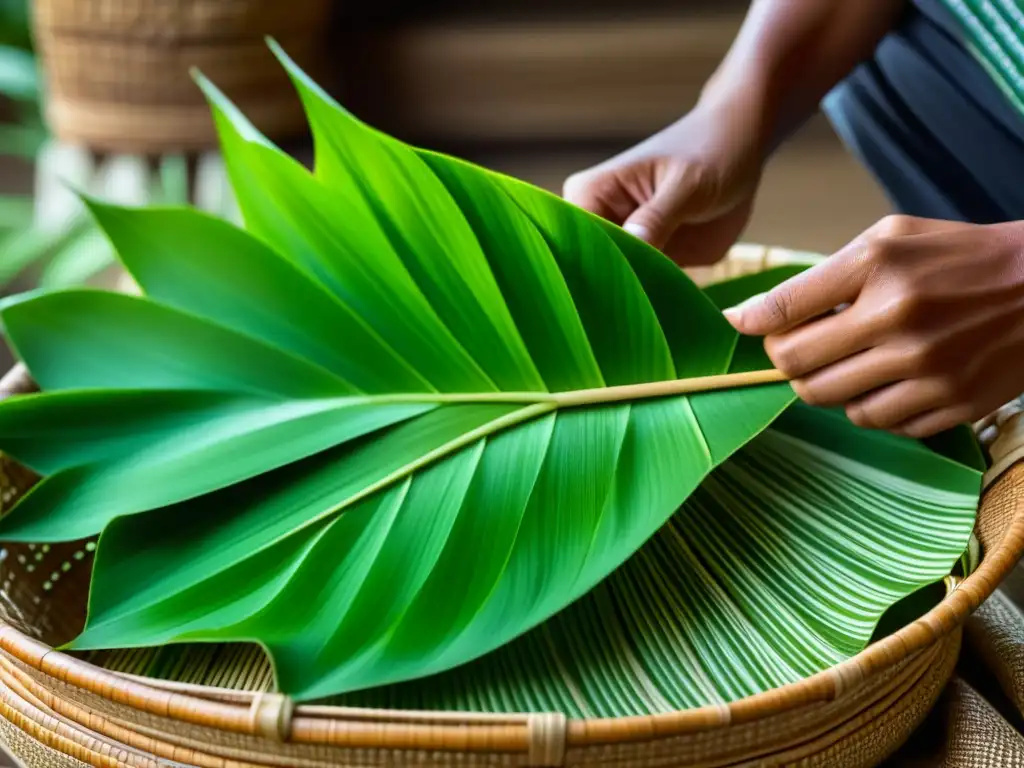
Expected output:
{"points": [[274, 716]]}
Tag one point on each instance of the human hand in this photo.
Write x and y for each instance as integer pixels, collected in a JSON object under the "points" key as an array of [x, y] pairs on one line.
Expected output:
{"points": [[687, 190], [933, 335]]}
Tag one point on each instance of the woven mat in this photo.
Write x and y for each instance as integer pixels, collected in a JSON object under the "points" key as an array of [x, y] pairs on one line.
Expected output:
{"points": [[979, 721]]}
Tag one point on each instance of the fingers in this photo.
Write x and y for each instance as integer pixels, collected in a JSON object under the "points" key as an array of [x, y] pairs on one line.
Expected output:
{"points": [[934, 422], [833, 338], [851, 378], [835, 281], [651, 197], [900, 404], [600, 193], [916, 408], [693, 245], [802, 298], [657, 219], [906, 354]]}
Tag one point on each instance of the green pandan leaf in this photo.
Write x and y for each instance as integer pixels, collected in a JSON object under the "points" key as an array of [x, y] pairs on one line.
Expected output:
{"points": [[416, 409]]}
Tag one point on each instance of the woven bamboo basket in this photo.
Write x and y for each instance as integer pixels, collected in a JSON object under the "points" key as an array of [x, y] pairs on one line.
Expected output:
{"points": [[57, 710], [118, 70]]}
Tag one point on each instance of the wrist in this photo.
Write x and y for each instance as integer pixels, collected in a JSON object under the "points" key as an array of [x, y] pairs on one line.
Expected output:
{"points": [[1016, 240], [749, 102]]}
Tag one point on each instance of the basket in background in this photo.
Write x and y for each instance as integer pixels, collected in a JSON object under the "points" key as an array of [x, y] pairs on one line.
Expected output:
{"points": [[57, 710], [117, 71]]}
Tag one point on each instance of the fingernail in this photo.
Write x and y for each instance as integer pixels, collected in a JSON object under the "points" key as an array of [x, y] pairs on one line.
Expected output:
{"points": [[735, 315], [739, 309], [638, 230]]}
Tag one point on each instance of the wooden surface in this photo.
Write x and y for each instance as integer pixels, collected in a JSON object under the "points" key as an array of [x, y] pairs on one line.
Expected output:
{"points": [[483, 76]]}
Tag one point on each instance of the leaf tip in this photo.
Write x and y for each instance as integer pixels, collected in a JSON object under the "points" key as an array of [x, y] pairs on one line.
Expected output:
{"points": [[309, 90], [198, 77], [214, 95], [226, 115], [95, 206], [294, 70], [276, 48]]}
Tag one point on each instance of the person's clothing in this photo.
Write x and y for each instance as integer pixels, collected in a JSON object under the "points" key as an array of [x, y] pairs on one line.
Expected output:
{"points": [[928, 121], [994, 32], [946, 142]]}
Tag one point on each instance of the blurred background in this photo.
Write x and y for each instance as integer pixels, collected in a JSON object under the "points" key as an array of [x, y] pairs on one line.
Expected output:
{"points": [[97, 93]]}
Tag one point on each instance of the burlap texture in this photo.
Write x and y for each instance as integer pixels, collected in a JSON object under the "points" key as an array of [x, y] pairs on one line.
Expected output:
{"points": [[979, 721]]}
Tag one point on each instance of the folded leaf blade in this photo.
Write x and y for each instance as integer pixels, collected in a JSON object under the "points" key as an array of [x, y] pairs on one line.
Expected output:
{"points": [[352, 257], [426, 229], [187, 453], [202, 265], [79, 339], [620, 322], [534, 288], [739, 593], [203, 538], [700, 341]]}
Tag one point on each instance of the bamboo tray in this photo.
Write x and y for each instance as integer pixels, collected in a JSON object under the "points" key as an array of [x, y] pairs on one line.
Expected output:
{"points": [[57, 710]]}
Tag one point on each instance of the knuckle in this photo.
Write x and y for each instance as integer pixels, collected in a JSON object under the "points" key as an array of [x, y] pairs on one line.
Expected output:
{"points": [[895, 225], [859, 415], [916, 431], [953, 389], [881, 252], [694, 178], [897, 275], [589, 185], [575, 183], [783, 356], [922, 358], [778, 305], [903, 309], [807, 392]]}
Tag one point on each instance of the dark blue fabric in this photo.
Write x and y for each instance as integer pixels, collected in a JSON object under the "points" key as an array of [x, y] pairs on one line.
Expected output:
{"points": [[937, 133]]}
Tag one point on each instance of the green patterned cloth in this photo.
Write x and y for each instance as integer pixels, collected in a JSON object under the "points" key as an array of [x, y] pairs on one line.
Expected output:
{"points": [[994, 31]]}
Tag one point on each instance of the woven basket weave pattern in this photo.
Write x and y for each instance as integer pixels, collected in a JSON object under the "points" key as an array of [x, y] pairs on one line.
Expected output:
{"points": [[172, 20], [791, 731], [56, 710], [118, 70], [97, 73]]}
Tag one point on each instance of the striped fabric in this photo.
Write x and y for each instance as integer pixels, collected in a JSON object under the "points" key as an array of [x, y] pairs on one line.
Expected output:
{"points": [[994, 31]]}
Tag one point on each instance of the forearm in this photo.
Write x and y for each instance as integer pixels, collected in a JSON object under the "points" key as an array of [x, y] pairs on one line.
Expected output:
{"points": [[790, 53]]}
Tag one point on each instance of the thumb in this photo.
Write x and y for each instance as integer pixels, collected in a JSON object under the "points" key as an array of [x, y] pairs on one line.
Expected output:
{"points": [[656, 220], [598, 193]]}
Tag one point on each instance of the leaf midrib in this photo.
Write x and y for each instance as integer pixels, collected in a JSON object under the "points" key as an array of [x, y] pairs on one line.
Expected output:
{"points": [[536, 405], [579, 398]]}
